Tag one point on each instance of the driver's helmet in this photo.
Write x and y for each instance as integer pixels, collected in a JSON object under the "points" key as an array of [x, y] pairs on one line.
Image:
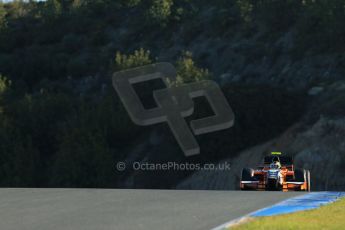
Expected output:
{"points": [[275, 165], [275, 159]]}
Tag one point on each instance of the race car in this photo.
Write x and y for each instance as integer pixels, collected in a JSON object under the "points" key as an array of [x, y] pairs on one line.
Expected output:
{"points": [[277, 173]]}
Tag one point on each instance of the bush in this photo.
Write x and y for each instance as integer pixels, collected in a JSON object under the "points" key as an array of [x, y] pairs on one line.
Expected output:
{"points": [[4, 84], [138, 58], [245, 8], [130, 3], [187, 71], [160, 11]]}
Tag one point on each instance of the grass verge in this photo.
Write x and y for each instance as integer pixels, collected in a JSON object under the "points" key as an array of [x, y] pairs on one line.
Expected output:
{"points": [[331, 216]]}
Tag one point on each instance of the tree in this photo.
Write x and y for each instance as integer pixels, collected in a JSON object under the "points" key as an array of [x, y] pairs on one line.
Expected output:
{"points": [[3, 13], [65, 4], [52, 9], [83, 160]]}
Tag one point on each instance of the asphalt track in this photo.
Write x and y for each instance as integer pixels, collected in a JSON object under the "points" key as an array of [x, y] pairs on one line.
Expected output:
{"points": [[116, 209]]}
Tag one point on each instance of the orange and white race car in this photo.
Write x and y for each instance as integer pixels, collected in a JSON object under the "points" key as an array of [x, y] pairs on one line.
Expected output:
{"points": [[276, 173]]}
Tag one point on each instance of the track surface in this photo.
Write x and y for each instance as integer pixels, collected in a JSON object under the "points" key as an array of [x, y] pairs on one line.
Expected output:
{"points": [[91, 209]]}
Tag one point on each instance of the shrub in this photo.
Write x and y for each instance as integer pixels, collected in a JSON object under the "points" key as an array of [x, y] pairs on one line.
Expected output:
{"points": [[160, 11], [187, 71], [4, 84], [246, 8], [138, 58], [131, 3]]}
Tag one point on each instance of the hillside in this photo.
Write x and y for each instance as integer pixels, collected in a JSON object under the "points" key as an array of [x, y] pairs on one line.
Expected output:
{"points": [[281, 65]]}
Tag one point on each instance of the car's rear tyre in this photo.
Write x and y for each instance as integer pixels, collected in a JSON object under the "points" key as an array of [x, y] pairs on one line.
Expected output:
{"points": [[247, 175], [300, 176], [308, 181]]}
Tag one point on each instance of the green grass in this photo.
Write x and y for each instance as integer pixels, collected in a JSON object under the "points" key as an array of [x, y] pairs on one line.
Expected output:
{"points": [[330, 216]]}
